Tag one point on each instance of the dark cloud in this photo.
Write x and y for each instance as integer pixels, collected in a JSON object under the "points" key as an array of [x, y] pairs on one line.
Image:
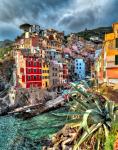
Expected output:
{"points": [[67, 15], [78, 22], [27, 10], [8, 32], [93, 15], [111, 12]]}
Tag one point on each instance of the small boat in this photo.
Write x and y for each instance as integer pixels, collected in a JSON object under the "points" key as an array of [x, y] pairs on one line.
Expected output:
{"points": [[28, 110]]}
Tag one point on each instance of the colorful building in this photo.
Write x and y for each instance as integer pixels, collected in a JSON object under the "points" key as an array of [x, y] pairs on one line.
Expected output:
{"points": [[45, 74], [107, 62], [79, 68], [54, 80], [53, 39], [111, 56], [35, 50], [60, 73], [99, 65], [28, 70], [65, 73]]}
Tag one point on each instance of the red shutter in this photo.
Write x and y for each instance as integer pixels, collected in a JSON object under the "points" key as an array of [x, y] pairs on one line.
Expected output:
{"points": [[21, 70], [26, 78], [37, 64], [23, 78]]}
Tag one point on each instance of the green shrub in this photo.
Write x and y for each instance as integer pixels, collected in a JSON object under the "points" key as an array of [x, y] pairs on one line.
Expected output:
{"points": [[112, 137]]}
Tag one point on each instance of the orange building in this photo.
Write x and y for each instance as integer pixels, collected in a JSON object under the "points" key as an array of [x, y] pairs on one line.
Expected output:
{"points": [[107, 62], [111, 56]]}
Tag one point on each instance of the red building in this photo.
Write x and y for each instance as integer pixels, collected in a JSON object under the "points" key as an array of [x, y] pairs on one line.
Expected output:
{"points": [[33, 72], [29, 70], [65, 73]]}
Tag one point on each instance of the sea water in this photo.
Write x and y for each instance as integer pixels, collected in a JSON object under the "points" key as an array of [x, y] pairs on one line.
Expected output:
{"points": [[30, 134]]}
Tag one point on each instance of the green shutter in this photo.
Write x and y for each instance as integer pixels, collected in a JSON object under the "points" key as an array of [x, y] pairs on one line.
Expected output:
{"points": [[116, 59], [116, 42]]}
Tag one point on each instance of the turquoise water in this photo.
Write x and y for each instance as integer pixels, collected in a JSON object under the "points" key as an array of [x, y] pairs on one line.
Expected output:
{"points": [[19, 134]]}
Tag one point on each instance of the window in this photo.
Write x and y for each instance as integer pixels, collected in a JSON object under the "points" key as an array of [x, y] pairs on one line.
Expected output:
{"points": [[116, 42], [40, 77], [34, 59], [44, 65], [116, 59], [80, 64], [29, 78], [46, 84], [28, 70], [23, 78], [28, 63], [104, 74], [40, 70], [79, 67], [35, 70], [34, 63], [22, 70], [53, 81], [110, 44], [34, 77]]}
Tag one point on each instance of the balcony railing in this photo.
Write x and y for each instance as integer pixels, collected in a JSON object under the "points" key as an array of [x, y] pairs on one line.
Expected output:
{"points": [[111, 64]]}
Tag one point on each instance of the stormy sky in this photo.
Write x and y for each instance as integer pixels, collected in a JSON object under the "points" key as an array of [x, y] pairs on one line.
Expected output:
{"points": [[63, 15]]}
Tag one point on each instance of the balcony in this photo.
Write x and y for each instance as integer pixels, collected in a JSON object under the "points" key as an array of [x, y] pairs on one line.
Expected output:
{"points": [[111, 64]]}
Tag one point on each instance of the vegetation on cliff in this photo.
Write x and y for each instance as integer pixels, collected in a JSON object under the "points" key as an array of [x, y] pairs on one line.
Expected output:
{"points": [[98, 32], [5, 48], [91, 118]]}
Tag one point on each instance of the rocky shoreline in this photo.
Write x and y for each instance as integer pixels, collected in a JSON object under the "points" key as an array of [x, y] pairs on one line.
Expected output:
{"points": [[29, 102]]}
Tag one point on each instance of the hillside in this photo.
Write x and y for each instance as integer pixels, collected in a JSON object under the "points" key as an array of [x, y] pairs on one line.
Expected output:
{"points": [[99, 32], [5, 47]]}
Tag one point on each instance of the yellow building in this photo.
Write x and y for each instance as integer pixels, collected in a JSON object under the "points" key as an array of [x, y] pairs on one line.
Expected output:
{"points": [[111, 55], [108, 68], [45, 75]]}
